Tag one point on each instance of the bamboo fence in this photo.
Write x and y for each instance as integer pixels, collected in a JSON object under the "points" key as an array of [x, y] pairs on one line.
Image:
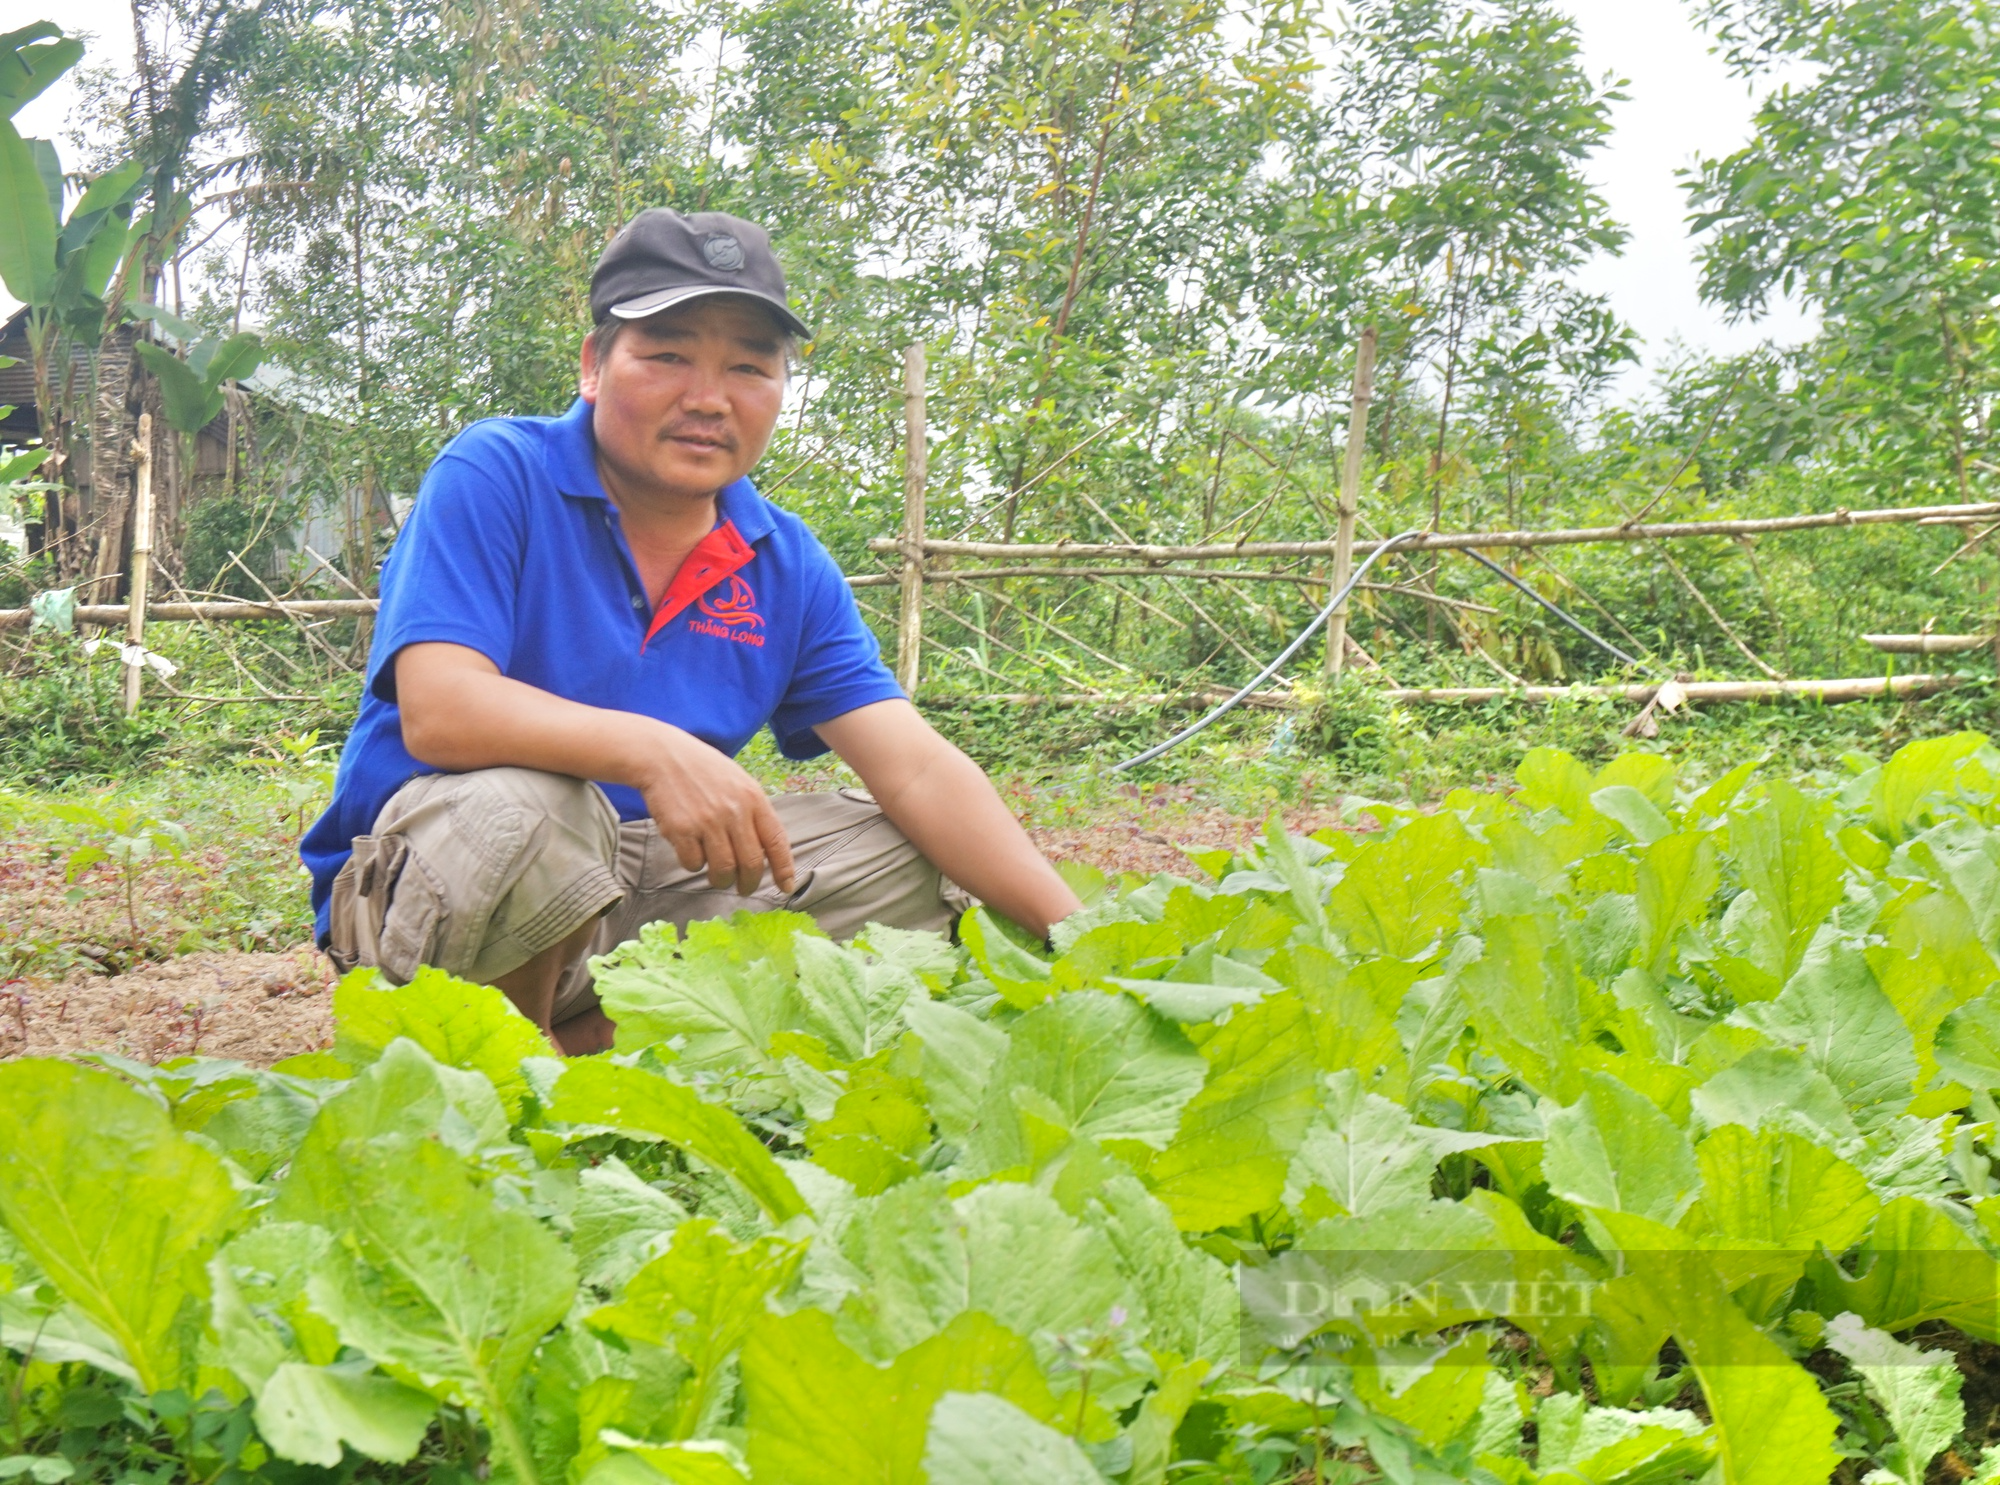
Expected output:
{"points": [[926, 571]]}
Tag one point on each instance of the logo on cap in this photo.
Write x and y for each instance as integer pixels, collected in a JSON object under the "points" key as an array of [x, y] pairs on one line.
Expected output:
{"points": [[723, 252]]}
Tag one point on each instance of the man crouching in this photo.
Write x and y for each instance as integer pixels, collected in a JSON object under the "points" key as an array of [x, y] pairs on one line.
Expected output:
{"points": [[583, 620]]}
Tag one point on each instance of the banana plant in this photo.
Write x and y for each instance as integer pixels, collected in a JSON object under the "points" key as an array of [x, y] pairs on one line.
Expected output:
{"points": [[32, 58], [69, 272], [192, 389], [193, 384], [60, 268], [16, 467]]}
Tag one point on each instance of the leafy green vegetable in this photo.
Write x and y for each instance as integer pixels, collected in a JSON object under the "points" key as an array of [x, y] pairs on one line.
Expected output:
{"points": [[1615, 1151], [1309, 1160], [727, 990], [462, 1025], [1918, 1391], [700, 1297], [114, 1207], [821, 1415], [435, 1276], [981, 1439], [306, 1413], [604, 1096], [1102, 1066]]}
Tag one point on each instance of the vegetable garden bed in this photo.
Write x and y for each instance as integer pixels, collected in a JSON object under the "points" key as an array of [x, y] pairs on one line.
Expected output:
{"points": [[1609, 1132]]}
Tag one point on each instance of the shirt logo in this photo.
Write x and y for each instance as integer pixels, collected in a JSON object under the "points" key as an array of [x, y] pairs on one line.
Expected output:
{"points": [[731, 613]]}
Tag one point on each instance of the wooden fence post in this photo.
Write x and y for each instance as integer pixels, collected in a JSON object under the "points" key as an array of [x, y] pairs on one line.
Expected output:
{"points": [[142, 563], [910, 632], [1350, 497]]}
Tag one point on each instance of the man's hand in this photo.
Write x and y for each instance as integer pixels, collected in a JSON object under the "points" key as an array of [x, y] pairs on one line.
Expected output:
{"points": [[948, 808], [459, 713], [712, 812]]}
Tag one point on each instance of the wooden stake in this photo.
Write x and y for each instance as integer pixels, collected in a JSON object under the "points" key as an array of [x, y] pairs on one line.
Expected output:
{"points": [[1350, 498], [142, 564], [910, 631]]}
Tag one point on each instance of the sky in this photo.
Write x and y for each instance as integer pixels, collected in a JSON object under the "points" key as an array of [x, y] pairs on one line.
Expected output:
{"points": [[1682, 103]]}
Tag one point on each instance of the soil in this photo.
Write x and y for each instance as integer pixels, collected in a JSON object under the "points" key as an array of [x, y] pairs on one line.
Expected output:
{"points": [[261, 1007], [1149, 845], [254, 1007]]}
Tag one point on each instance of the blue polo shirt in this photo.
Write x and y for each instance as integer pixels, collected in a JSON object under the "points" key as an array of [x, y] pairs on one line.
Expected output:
{"points": [[513, 549]]}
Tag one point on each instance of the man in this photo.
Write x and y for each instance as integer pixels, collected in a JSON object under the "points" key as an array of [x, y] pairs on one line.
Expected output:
{"points": [[605, 597]]}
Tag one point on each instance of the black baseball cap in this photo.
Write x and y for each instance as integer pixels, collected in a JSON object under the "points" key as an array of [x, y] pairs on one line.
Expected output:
{"points": [[661, 258]]}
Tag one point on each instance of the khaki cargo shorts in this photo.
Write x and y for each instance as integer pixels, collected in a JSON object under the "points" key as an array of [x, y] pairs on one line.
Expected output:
{"points": [[476, 873]]}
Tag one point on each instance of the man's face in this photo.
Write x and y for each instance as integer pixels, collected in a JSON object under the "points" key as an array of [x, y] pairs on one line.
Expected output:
{"points": [[685, 401]]}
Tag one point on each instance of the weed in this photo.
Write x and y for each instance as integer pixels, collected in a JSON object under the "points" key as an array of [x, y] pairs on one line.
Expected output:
{"points": [[302, 771], [130, 838]]}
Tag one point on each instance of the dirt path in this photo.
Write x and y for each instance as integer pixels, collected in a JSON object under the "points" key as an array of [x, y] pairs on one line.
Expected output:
{"points": [[263, 1007]]}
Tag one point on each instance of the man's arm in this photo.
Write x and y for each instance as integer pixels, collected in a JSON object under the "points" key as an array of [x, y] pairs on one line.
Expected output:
{"points": [[949, 809], [459, 713]]}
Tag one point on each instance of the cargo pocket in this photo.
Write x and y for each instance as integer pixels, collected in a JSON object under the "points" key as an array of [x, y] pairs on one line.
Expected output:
{"points": [[388, 909], [354, 916], [415, 920]]}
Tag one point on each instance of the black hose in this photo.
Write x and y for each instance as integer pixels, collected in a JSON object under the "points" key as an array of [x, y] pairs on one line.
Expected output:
{"points": [[1272, 669], [1597, 639]]}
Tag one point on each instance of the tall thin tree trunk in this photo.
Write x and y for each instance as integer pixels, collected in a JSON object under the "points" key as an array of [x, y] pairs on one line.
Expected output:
{"points": [[1956, 374], [361, 558], [1085, 220], [1453, 328], [45, 341]]}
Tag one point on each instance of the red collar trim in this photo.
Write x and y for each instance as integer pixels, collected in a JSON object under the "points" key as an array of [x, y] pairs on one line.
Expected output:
{"points": [[716, 556]]}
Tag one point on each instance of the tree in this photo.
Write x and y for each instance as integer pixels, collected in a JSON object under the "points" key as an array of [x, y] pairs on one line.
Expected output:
{"points": [[1873, 192], [1069, 205], [1473, 123], [429, 188]]}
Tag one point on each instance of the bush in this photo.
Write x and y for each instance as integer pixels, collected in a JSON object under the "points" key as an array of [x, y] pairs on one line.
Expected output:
{"points": [[219, 526], [1360, 727], [62, 717], [22, 577]]}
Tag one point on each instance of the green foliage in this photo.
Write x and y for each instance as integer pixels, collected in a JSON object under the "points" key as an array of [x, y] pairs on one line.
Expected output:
{"points": [[894, 1210], [1138, 247], [60, 267], [119, 1212], [224, 526], [210, 857], [1901, 257], [132, 840], [192, 384], [32, 58], [63, 717]]}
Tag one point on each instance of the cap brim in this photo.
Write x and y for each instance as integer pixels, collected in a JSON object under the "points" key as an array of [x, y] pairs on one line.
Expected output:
{"points": [[652, 304]]}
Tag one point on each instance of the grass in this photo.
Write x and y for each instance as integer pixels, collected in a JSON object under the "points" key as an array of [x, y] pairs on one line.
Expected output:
{"points": [[240, 793]]}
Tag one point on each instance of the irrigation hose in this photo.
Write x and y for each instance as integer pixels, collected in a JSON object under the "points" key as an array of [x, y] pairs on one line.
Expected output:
{"points": [[1597, 639], [1224, 708]]}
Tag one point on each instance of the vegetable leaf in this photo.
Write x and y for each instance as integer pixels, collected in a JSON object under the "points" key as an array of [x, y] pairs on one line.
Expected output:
{"points": [[118, 1209]]}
